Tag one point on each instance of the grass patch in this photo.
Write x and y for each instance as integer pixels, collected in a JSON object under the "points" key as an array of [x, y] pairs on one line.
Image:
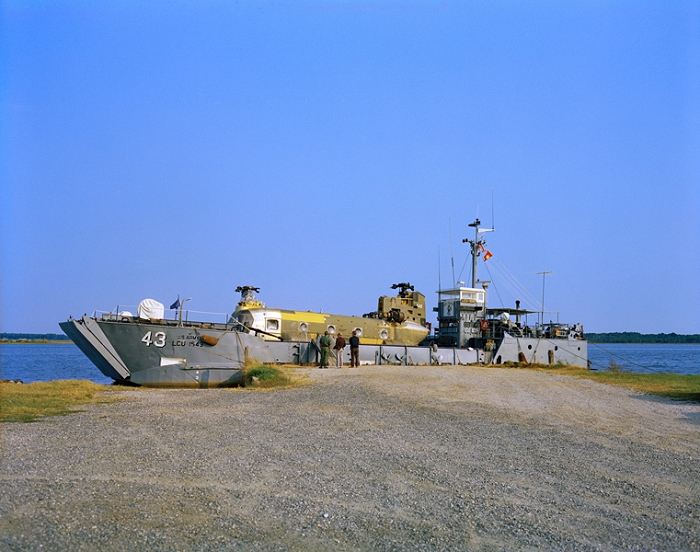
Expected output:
{"points": [[26, 403], [264, 376], [685, 387], [615, 367], [285, 376]]}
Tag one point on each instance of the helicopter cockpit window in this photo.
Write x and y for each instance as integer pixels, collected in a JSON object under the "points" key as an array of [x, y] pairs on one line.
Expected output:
{"points": [[245, 318]]}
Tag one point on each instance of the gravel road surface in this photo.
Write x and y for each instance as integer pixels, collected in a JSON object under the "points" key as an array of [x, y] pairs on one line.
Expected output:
{"points": [[375, 458]]}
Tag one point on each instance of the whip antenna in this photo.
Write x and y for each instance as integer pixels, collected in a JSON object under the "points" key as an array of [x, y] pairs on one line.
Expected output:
{"points": [[452, 255], [439, 277]]}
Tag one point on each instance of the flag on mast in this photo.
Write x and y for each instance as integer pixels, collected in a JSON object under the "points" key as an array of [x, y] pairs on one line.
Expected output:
{"points": [[487, 255]]}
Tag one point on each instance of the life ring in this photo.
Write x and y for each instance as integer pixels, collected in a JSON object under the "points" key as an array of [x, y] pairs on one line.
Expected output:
{"points": [[484, 324]]}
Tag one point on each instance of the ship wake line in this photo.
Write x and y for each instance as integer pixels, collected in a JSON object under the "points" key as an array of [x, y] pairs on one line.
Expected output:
{"points": [[159, 350]]}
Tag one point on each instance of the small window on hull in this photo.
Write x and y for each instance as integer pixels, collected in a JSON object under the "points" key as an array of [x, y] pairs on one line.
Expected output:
{"points": [[273, 325]]}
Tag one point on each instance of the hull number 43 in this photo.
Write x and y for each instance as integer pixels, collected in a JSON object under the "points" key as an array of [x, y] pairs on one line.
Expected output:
{"points": [[158, 339]]}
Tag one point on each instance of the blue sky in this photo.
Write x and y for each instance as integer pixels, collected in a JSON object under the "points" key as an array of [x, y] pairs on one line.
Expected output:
{"points": [[324, 150]]}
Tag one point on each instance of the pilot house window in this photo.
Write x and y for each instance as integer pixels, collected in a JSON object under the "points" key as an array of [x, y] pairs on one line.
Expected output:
{"points": [[273, 325]]}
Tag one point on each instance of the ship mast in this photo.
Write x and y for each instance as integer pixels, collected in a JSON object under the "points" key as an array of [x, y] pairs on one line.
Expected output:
{"points": [[476, 245]]}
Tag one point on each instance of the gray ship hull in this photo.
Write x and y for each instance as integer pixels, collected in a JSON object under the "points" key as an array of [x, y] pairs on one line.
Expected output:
{"points": [[198, 355], [159, 355]]}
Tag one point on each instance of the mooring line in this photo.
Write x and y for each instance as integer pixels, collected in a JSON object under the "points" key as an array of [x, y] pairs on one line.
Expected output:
{"points": [[626, 360], [570, 352]]}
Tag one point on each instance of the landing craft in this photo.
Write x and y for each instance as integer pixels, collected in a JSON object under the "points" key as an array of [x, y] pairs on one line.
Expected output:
{"points": [[162, 349], [398, 320]]}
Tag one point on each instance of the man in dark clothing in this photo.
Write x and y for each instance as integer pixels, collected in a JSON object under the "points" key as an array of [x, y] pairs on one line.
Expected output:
{"points": [[339, 346], [354, 350]]}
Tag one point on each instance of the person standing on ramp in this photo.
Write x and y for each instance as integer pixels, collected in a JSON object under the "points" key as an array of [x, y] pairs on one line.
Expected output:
{"points": [[339, 346], [354, 351], [325, 343]]}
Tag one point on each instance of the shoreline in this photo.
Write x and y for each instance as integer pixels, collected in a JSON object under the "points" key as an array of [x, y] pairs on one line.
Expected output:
{"points": [[36, 342], [670, 385]]}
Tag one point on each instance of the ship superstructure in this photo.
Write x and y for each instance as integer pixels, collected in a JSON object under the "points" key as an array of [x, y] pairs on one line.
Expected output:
{"points": [[502, 334]]}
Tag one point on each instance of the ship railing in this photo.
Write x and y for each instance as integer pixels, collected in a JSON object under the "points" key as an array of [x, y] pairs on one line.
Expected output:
{"points": [[536, 326], [129, 312]]}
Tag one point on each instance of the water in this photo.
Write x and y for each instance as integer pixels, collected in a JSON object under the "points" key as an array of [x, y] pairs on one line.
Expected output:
{"points": [[646, 357], [44, 362]]}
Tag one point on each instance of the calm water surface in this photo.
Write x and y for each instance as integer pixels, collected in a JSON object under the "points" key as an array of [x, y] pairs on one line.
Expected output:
{"points": [[43, 362], [646, 357]]}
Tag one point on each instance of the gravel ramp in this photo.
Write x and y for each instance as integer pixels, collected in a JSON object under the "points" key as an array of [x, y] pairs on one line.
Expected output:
{"points": [[375, 458]]}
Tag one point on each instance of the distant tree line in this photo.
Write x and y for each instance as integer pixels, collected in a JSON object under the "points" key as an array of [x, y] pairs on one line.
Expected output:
{"points": [[635, 337], [48, 336]]}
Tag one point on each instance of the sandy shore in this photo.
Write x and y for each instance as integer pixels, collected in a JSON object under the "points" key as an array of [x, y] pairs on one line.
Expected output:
{"points": [[376, 458]]}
